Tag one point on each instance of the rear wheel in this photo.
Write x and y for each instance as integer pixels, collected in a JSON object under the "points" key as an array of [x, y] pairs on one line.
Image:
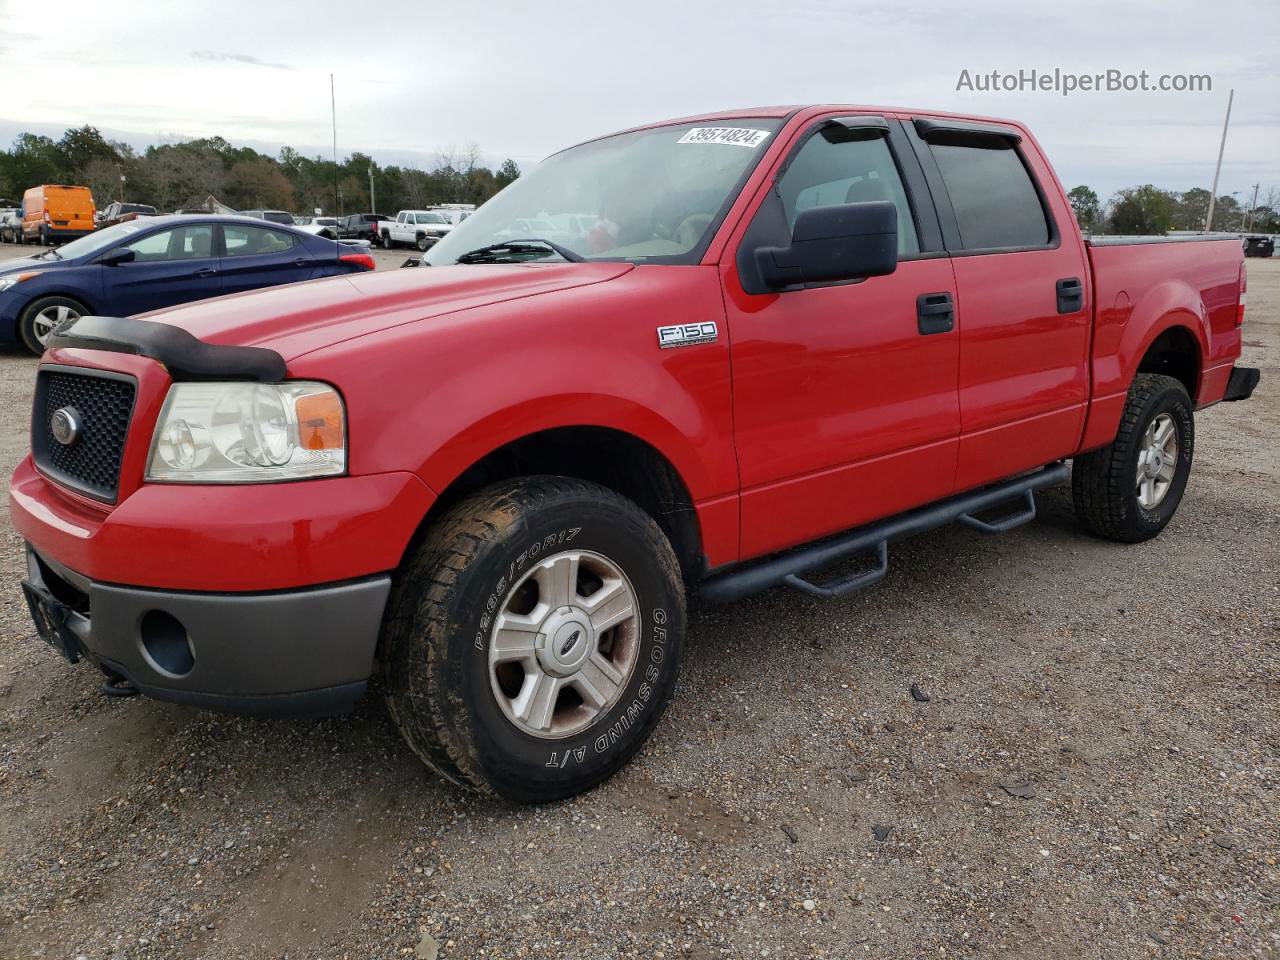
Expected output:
{"points": [[42, 317], [387, 242], [533, 641], [1129, 490]]}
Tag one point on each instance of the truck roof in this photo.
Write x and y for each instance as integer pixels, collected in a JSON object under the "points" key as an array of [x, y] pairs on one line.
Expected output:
{"points": [[782, 111]]}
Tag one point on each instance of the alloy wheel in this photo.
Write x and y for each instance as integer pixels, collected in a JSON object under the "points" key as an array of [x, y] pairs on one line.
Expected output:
{"points": [[564, 644], [1157, 461], [50, 318]]}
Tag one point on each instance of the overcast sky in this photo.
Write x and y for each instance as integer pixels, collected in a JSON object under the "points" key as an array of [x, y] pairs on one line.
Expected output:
{"points": [[522, 79]]}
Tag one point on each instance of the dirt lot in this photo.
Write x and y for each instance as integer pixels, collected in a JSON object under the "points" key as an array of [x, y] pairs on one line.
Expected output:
{"points": [[1126, 697]]}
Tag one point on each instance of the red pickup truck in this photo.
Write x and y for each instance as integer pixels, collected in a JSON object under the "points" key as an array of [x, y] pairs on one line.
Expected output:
{"points": [[739, 348]]}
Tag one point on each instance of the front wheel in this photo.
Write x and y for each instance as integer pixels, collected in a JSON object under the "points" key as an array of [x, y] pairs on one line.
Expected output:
{"points": [[1129, 490], [42, 317], [423, 243], [533, 640]]}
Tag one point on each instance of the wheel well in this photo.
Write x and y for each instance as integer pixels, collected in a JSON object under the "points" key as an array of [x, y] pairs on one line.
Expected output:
{"points": [[78, 298], [611, 458], [1176, 354]]}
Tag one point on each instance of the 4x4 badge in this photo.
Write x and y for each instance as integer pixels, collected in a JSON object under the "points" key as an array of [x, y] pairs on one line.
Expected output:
{"points": [[687, 334]]}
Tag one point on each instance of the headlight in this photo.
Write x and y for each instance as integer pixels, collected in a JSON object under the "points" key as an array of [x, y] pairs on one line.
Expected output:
{"points": [[249, 433], [15, 278]]}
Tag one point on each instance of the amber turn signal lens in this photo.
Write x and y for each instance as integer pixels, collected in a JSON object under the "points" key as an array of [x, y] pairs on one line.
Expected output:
{"points": [[320, 422]]}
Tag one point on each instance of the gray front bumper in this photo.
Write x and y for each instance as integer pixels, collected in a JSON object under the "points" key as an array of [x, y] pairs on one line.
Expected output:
{"points": [[308, 650]]}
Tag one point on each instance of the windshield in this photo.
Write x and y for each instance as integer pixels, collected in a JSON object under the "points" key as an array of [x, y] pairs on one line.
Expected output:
{"points": [[650, 196], [100, 239]]}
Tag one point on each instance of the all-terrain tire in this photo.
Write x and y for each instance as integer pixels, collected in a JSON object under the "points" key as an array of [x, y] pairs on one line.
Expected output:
{"points": [[439, 627], [1104, 482]]}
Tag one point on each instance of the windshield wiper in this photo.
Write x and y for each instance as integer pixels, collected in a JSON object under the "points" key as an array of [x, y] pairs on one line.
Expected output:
{"points": [[493, 252], [51, 252]]}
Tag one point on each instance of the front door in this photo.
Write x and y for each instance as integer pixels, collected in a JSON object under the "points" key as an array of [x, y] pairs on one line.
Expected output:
{"points": [[169, 267], [845, 398]]}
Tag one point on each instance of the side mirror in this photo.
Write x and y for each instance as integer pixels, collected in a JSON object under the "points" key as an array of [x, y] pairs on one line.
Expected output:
{"points": [[846, 241], [113, 258]]}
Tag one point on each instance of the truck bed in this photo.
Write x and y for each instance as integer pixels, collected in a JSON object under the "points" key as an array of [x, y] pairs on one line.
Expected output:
{"points": [[1142, 287]]}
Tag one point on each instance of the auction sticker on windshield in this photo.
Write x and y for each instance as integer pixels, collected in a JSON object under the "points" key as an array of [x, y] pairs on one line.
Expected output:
{"points": [[738, 136]]}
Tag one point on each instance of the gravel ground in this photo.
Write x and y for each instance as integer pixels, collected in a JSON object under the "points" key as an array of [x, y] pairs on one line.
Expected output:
{"points": [[1095, 774]]}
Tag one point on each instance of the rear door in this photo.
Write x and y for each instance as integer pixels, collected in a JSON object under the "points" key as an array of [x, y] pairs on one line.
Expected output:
{"points": [[845, 405], [169, 267], [1023, 296], [254, 257]]}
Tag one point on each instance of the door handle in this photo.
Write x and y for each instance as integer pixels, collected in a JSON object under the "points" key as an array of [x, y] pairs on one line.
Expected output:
{"points": [[1070, 295], [205, 272], [301, 262], [935, 313]]}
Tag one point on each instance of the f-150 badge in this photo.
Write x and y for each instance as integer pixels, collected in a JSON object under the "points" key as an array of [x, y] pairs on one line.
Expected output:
{"points": [[687, 334]]}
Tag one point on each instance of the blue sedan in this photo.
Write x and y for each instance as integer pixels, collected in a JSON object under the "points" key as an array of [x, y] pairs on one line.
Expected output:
{"points": [[159, 262]]}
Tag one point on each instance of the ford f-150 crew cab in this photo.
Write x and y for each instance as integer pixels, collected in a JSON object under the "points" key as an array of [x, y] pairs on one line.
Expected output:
{"points": [[775, 339]]}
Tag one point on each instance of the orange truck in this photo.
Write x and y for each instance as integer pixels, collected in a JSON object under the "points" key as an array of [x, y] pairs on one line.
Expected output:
{"points": [[53, 213]]}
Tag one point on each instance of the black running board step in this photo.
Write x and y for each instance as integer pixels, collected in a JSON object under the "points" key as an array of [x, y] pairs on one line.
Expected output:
{"points": [[838, 588], [790, 567], [1027, 514]]}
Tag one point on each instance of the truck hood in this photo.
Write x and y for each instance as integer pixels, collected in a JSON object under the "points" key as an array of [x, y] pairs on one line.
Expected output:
{"points": [[301, 317]]}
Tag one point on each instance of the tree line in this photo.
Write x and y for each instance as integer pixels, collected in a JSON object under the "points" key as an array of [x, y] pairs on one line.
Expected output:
{"points": [[175, 175], [1148, 210]]}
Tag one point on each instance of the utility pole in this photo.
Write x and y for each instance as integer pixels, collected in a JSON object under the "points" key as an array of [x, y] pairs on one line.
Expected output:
{"points": [[1213, 194], [1253, 205], [373, 204]]}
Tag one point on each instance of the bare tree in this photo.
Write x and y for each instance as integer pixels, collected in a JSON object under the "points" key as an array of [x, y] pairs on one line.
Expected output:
{"points": [[165, 171], [102, 177]]}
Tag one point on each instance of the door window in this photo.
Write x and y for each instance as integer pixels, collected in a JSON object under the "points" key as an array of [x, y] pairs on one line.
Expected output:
{"points": [[832, 169], [180, 243], [242, 241], [995, 201]]}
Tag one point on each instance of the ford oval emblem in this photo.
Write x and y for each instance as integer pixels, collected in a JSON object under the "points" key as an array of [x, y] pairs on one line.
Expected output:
{"points": [[65, 425], [570, 643]]}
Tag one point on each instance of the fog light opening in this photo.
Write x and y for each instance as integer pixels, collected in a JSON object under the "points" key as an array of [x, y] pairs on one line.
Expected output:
{"points": [[165, 644]]}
